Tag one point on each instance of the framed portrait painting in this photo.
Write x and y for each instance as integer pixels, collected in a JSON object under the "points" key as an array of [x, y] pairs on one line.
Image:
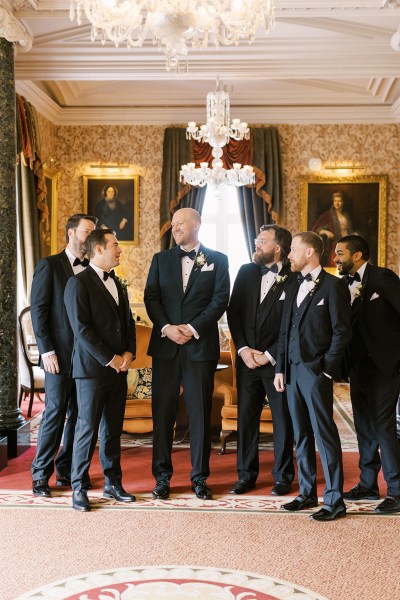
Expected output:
{"points": [[48, 226], [114, 201], [335, 207]]}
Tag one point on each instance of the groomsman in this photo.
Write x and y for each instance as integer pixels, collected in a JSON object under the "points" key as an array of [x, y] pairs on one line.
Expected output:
{"points": [[314, 333], [254, 317], [55, 340], [187, 291], [104, 347], [373, 360]]}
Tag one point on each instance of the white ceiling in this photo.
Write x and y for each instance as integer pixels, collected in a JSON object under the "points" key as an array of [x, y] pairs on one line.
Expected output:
{"points": [[324, 62]]}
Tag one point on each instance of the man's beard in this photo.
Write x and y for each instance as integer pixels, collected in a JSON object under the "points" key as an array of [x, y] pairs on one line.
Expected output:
{"points": [[263, 258], [345, 268], [297, 267]]}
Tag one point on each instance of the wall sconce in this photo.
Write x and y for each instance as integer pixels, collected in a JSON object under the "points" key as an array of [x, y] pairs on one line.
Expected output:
{"points": [[343, 167], [315, 164], [110, 168]]}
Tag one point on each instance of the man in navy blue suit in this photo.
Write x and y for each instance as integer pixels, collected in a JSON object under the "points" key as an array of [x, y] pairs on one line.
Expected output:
{"points": [[314, 333], [55, 339], [187, 291], [373, 365]]}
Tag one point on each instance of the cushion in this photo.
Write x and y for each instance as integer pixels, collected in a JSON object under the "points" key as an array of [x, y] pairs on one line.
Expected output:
{"points": [[139, 383], [223, 340]]}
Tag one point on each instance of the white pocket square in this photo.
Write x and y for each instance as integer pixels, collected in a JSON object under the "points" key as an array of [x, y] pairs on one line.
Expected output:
{"points": [[374, 296], [208, 267], [283, 296], [321, 302]]}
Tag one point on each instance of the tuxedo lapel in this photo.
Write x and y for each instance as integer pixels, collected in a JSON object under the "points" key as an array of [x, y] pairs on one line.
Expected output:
{"points": [[274, 293], [307, 300], [196, 269], [66, 265], [97, 281]]}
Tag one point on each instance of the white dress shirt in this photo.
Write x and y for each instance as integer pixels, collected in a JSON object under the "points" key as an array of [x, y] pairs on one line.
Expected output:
{"points": [[356, 284], [306, 287], [109, 284]]}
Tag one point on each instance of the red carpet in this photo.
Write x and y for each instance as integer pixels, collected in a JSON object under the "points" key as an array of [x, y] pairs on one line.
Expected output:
{"points": [[137, 476]]}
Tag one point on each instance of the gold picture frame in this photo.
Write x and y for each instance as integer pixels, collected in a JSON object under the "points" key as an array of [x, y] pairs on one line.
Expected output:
{"points": [[123, 218], [364, 211], [48, 227]]}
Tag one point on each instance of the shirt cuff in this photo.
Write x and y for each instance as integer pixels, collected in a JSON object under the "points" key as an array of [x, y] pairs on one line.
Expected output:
{"points": [[46, 354], [330, 376], [271, 358], [163, 329], [192, 329], [108, 364], [240, 349]]}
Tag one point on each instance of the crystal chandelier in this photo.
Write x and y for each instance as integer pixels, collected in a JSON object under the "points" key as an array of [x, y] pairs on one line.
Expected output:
{"points": [[175, 24], [217, 132]]}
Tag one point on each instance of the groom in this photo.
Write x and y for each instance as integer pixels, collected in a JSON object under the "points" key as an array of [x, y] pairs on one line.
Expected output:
{"points": [[187, 291]]}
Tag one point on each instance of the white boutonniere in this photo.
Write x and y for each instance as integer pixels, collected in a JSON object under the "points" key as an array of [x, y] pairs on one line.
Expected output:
{"points": [[315, 283], [358, 292], [199, 261], [124, 283], [279, 279]]}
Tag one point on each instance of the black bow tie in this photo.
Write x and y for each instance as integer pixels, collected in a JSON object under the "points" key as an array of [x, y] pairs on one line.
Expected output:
{"points": [[265, 269], [84, 262], [107, 275], [191, 254], [351, 278], [301, 278]]}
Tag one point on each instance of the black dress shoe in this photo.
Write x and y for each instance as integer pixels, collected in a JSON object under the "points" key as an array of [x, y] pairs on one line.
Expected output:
{"points": [[161, 491], [40, 487], [242, 486], [281, 488], [325, 514], [358, 492], [80, 501], [118, 493], [391, 504], [301, 503], [202, 490]]}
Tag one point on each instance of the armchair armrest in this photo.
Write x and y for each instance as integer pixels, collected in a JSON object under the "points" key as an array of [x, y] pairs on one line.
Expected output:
{"points": [[229, 393]]}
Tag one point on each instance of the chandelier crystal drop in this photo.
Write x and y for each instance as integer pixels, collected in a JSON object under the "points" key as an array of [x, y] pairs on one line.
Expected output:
{"points": [[217, 132], [175, 24]]}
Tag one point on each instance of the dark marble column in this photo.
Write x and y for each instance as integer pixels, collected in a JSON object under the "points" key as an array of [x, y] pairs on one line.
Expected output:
{"points": [[10, 415]]}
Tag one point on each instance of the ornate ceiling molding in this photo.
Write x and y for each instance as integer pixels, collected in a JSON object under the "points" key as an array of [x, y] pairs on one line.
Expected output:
{"points": [[13, 30]]}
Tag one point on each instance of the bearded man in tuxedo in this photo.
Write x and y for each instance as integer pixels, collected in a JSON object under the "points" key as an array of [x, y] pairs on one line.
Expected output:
{"points": [[187, 291], [254, 317], [54, 338], [314, 333], [104, 347], [373, 364]]}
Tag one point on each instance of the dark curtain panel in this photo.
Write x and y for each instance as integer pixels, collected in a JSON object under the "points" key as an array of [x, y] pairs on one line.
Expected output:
{"points": [[31, 202], [262, 204]]}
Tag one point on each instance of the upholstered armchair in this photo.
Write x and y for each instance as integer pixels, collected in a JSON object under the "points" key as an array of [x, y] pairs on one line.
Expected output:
{"points": [[138, 417], [31, 376], [229, 412]]}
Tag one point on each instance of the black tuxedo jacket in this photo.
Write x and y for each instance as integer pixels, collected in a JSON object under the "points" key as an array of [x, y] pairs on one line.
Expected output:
{"points": [[242, 309], [203, 303], [378, 314], [324, 329], [98, 331], [49, 316]]}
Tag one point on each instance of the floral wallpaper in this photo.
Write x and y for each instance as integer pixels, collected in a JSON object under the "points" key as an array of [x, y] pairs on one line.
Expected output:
{"points": [[71, 150]]}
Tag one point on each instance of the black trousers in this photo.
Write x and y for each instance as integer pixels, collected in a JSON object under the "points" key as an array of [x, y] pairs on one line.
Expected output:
{"points": [[310, 400], [197, 378], [253, 385], [60, 401], [374, 398], [99, 399]]}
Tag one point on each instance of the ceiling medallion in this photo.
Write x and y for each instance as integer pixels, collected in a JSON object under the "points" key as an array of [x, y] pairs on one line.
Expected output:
{"points": [[175, 24]]}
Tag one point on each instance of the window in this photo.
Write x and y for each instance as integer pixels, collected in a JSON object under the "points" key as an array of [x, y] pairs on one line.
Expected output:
{"points": [[222, 227]]}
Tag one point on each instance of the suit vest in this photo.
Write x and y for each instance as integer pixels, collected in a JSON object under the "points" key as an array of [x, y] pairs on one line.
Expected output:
{"points": [[294, 354]]}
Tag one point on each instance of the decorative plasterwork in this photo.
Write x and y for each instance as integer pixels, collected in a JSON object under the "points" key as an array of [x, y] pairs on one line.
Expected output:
{"points": [[13, 30]]}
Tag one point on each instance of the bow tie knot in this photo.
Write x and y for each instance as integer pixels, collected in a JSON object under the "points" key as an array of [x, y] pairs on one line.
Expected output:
{"points": [[351, 278], [84, 262], [301, 278], [265, 269], [110, 274], [191, 254]]}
